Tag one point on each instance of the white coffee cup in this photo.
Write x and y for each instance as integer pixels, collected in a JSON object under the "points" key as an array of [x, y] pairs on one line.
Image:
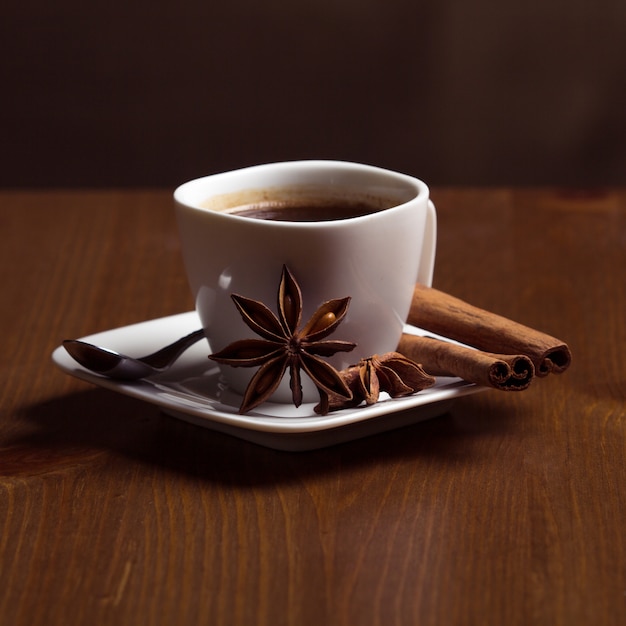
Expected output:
{"points": [[375, 258]]}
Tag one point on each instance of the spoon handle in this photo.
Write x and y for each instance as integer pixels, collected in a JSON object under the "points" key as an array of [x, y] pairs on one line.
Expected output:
{"points": [[164, 356]]}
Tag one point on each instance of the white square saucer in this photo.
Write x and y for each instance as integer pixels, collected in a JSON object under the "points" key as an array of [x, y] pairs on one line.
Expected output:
{"points": [[192, 391]]}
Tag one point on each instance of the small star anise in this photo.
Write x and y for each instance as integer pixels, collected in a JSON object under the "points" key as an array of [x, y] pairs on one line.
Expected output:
{"points": [[392, 373], [284, 346]]}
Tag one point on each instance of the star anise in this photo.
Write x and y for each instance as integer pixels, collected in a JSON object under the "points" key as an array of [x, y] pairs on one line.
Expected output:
{"points": [[284, 346], [392, 373]]}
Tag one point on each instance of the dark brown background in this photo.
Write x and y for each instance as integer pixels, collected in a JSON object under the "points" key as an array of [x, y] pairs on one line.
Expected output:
{"points": [[140, 92]]}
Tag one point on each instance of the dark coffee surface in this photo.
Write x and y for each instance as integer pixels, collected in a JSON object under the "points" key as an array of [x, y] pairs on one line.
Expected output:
{"points": [[306, 211]]}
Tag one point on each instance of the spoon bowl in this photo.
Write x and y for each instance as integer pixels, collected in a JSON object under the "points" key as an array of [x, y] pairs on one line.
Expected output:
{"points": [[113, 364]]}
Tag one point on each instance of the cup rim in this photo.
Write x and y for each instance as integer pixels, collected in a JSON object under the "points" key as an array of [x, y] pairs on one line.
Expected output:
{"points": [[315, 167]]}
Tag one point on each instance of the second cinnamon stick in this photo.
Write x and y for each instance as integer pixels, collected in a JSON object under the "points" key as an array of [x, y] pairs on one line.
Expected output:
{"points": [[442, 358]]}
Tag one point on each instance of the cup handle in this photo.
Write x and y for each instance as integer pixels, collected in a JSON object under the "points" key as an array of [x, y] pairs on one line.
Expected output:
{"points": [[429, 246]]}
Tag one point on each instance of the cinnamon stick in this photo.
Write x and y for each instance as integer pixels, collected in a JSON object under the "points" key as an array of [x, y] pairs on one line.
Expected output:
{"points": [[446, 315], [442, 358]]}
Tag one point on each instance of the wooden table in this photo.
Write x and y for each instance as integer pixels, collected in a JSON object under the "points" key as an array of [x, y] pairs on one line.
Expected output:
{"points": [[509, 509]]}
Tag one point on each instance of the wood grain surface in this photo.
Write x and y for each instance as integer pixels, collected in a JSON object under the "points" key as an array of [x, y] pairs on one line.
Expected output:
{"points": [[509, 509]]}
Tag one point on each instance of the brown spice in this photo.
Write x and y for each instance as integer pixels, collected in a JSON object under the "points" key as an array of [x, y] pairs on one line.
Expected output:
{"points": [[442, 358], [392, 373], [285, 346], [446, 315]]}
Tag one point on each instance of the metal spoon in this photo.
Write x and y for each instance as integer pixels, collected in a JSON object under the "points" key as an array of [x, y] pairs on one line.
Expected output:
{"points": [[115, 365]]}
